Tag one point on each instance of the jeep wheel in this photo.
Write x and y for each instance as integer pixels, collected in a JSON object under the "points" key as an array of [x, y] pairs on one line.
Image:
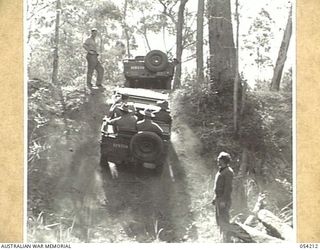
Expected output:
{"points": [[146, 146], [156, 60]]}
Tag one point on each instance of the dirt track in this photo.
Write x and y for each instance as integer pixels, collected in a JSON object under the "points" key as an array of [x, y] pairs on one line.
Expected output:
{"points": [[137, 206]]}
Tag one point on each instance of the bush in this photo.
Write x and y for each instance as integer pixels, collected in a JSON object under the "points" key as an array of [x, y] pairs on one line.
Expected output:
{"points": [[265, 132]]}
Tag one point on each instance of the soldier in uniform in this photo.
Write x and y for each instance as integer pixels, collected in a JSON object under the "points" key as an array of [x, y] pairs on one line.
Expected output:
{"points": [[115, 110], [222, 192], [90, 46], [127, 121], [163, 114], [147, 124]]}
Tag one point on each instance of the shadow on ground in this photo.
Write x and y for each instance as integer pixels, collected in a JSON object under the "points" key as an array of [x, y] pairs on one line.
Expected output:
{"points": [[139, 205], [151, 207]]}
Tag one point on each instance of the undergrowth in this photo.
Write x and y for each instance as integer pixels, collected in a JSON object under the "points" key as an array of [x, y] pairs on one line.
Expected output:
{"points": [[261, 150]]}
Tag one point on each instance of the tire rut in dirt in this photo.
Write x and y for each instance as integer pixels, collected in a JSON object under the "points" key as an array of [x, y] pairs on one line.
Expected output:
{"points": [[138, 206], [150, 207], [77, 193]]}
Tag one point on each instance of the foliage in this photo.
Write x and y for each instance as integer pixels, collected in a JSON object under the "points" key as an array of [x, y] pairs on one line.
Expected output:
{"points": [[257, 41], [72, 55], [49, 125], [265, 132], [265, 122], [286, 81], [262, 85]]}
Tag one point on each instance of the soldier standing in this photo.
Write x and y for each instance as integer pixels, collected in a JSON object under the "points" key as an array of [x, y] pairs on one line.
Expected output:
{"points": [[222, 192], [90, 46]]}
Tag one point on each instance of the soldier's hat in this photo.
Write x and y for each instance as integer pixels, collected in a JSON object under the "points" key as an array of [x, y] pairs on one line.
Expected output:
{"points": [[224, 156], [125, 107], [147, 112], [163, 104], [124, 96]]}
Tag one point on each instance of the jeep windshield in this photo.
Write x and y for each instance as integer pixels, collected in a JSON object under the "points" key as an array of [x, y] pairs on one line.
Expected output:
{"points": [[143, 98]]}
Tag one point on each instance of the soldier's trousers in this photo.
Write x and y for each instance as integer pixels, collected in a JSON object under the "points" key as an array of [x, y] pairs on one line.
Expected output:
{"points": [[223, 220], [94, 64]]}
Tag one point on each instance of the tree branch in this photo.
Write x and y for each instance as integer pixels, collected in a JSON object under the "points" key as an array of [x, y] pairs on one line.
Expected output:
{"points": [[167, 13], [36, 12]]}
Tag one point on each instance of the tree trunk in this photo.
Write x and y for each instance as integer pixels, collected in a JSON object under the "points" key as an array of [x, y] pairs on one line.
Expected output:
{"points": [[243, 96], [221, 45], [199, 46], [236, 79], [179, 48], [282, 56], [145, 35], [56, 45], [125, 28], [55, 80], [164, 37]]}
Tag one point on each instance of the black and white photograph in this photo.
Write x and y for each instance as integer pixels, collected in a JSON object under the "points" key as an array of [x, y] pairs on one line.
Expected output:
{"points": [[160, 121]]}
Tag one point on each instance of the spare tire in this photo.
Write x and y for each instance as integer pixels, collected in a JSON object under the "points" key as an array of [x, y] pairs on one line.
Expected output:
{"points": [[146, 146], [156, 61]]}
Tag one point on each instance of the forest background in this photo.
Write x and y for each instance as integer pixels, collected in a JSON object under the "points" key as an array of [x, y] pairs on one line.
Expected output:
{"points": [[239, 109], [12, 96]]}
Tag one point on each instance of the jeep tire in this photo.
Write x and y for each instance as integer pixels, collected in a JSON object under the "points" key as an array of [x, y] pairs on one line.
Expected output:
{"points": [[146, 146], [156, 61]]}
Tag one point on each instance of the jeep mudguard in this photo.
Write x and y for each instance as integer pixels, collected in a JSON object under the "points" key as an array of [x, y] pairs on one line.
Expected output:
{"points": [[156, 60], [167, 84], [146, 146]]}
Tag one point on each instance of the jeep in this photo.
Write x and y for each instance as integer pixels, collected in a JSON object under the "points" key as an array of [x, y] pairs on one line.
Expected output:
{"points": [[136, 148], [153, 71]]}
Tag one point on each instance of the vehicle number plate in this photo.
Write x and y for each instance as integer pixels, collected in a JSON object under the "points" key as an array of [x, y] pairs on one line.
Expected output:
{"points": [[118, 145], [137, 67], [162, 73]]}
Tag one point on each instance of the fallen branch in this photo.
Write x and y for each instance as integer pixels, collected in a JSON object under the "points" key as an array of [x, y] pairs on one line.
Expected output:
{"points": [[275, 225], [278, 230], [255, 235]]}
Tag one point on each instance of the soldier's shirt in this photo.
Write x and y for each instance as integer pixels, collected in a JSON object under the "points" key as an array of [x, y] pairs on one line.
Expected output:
{"points": [[163, 116], [125, 122], [147, 125], [90, 44], [223, 184]]}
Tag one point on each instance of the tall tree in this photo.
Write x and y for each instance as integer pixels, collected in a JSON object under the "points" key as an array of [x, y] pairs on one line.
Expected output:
{"points": [[179, 45], [126, 28], [149, 22], [185, 34], [169, 13], [282, 56], [236, 78], [56, 44], [257, 41], [34, 20], [199, 42], [221, 45]]}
